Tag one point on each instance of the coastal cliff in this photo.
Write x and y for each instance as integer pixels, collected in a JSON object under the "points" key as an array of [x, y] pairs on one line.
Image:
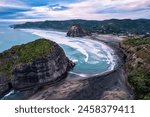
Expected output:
{"points": [[137, 65], [33, 64], [4, 87]]}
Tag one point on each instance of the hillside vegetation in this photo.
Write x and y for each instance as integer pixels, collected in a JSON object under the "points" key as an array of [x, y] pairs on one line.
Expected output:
{"points": [[113, 26], [138, 65], [23, 54]]}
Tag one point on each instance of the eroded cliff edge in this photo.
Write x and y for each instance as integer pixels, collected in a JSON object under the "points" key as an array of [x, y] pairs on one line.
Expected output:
{"points": [[32, 64], [137, 64]]}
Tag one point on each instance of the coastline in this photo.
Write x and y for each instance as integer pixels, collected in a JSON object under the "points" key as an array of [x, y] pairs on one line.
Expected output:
{"points": [[111, 86], [84, 50]]}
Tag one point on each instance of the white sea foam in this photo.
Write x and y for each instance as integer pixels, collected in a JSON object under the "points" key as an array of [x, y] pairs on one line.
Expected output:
{"points": [[10, 93], [73, 59], [110, 56], [78, 74], [96, 49], [60, 38], [93, 52], [93, 62]]}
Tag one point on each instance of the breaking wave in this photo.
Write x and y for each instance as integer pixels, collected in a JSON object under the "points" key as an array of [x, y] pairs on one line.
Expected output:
{"points": [[91, 57]]}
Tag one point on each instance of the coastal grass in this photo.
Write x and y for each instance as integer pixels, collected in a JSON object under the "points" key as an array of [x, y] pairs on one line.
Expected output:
{"points": [[140, 80], [24, 53], [132, 41], [138, 65]]}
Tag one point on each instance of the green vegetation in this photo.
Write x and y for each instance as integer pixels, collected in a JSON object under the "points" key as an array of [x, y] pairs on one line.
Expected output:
{"points": [[140, 80], [138, 65], [132, 41], [23, 54], [113, 26]]}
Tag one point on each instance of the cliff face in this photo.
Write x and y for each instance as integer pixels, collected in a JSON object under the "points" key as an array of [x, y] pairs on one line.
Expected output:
{"points": [[76, 31], [45, 69], [44, 66], [138, 65], [3, 85]]}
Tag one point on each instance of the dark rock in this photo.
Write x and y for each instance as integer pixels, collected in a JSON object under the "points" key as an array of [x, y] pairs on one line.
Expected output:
{"points": [[43, 70], [76, 31], [4, 87]]}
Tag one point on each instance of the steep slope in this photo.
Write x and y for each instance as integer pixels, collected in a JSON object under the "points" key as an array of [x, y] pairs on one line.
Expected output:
{"points": [[138, 65]]}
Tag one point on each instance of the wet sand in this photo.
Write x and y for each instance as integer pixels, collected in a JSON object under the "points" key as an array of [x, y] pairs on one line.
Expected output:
{"points": [[111, 86]]}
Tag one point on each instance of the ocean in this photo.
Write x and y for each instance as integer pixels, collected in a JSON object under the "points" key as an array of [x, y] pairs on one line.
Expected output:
{"points": [[91, 57], [10, 37]]}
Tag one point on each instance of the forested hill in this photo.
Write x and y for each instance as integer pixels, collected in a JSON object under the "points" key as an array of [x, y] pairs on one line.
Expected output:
{"points": [[113, 26]]}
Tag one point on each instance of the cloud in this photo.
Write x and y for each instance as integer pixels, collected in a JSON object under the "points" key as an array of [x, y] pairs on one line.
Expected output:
{"points": [[20, 20], [57, 7], [43, 12], [111, 6], [9, 8], [127, 6], [106, 9], [77, 9], [12, 4]]}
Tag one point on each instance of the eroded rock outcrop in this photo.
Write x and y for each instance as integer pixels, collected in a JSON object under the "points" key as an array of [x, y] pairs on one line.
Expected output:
{"points": [[76, 31], [34, 65], [4, 87]]}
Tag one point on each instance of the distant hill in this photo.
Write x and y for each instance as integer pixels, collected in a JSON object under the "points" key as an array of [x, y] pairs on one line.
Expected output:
{"points": [[112, 26]]}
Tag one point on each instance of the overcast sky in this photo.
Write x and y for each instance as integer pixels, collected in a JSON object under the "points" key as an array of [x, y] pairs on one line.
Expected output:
{"points": [[35, 10]]}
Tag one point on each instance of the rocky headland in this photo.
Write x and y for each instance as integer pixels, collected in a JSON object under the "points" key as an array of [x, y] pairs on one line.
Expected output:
{"points": [[4, 85], [77, 31], [32, 65]]}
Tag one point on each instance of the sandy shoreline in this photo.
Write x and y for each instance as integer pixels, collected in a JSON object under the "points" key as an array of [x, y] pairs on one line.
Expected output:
{"points": [[107, 86]]}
